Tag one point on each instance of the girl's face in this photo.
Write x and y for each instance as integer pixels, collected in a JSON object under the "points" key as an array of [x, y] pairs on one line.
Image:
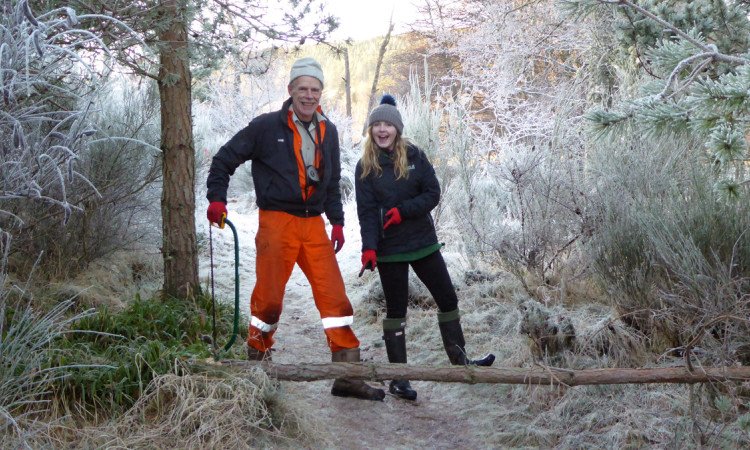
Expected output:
{"points": [[384, 134]]}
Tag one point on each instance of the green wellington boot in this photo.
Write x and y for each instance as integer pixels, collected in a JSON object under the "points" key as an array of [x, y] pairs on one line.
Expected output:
{"points": [[453, 340], [395, 345]]}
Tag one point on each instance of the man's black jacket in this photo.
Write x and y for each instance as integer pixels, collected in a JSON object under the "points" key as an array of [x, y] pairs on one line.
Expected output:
{"points": [[269, 142]]}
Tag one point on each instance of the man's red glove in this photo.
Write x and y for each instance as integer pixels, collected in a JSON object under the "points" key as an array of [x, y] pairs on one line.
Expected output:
{"points": [[393, 216], [337, 237], [217, 211], [369, 261]]}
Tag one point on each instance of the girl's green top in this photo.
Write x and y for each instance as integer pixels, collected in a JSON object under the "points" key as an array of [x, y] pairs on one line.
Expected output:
{"points": [[411, 256]]}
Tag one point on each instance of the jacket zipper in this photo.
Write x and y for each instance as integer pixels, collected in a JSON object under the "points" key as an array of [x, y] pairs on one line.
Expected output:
{"points": [[381, 211]]}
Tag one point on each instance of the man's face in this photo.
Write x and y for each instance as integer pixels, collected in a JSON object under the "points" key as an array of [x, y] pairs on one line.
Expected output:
{"points": [[305, 92]]}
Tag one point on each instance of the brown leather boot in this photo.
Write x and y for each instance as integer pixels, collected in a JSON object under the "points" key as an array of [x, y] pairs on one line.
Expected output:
{"points": [[253, 354], [346, 387]]}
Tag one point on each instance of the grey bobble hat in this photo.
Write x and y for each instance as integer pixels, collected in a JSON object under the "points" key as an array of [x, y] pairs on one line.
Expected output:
{"points": [[306, 66], [387, 112]]}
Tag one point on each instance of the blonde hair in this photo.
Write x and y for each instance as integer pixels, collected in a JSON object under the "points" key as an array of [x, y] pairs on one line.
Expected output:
{"points": [[371, 152]]}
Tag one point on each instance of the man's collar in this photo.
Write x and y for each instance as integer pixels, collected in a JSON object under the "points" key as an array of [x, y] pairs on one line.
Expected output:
{"points": [[318, 116]]}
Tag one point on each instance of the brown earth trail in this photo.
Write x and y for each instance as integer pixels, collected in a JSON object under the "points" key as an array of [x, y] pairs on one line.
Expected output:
{"points": [[432, 421]]}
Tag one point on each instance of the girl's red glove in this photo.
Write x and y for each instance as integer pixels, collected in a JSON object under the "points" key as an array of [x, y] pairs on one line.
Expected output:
{"points": [[393, 216], [368, 260]]}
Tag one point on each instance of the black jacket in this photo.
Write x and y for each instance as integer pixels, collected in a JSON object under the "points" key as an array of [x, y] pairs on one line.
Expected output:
{"points": [[269, 142], [414, 197]]}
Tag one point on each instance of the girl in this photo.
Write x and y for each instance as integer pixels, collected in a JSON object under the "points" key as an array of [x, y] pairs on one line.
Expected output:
{"points": [[396, 190]]}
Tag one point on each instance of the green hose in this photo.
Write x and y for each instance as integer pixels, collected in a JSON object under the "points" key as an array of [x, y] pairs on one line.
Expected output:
{"points": [[236, 286]]}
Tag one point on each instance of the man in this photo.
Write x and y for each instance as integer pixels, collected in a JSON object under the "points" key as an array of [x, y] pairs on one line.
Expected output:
{"points": [[296, 171]]}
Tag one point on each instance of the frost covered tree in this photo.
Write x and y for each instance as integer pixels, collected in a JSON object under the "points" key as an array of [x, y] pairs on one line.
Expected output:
{"points": [[693, 78], [511, 104]]}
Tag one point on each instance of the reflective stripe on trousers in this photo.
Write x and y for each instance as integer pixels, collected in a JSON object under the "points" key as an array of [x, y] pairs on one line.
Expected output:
{"points": [[282, 241], [262, 326], [333, 322]]}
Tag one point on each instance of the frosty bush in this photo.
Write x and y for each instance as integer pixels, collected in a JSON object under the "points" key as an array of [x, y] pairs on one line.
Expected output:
{"points": [[122, 211], [53, 150], [522, 204], [672, 253], [41, 128], [509, 157]]}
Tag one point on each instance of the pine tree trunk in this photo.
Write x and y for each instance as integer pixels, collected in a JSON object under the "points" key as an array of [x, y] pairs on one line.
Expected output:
{"points": [[179, 250]]}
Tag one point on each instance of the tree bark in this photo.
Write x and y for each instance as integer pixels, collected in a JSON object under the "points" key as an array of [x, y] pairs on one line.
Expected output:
{"points": [[180, 248], [473, 374], [348, 83]]}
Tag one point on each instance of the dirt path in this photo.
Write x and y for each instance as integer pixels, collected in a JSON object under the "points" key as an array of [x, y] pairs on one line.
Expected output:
{"points": [[432, 421]]}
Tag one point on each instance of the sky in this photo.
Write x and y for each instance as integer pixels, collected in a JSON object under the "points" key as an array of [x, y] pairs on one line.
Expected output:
{"points": [[366, 19]]}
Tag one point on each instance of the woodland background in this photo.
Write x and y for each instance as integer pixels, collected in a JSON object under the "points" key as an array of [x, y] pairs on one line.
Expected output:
{"points": [[593, 158]]}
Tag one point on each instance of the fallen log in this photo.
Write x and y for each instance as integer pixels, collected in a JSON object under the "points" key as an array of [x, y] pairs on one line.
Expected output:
{"points": [[537, 375]]}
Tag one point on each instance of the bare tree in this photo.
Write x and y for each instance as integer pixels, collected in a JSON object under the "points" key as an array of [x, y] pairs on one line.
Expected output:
{"points": [[348, 83], [376, 77]]}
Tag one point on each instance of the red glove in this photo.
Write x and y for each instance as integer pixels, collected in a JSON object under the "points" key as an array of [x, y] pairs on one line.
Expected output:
{"points": [[217, 212], [393, 216], [368, 261], [337, 237]]}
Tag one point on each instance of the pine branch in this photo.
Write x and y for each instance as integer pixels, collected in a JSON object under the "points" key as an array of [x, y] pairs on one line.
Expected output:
{"points": [[707, 49]]}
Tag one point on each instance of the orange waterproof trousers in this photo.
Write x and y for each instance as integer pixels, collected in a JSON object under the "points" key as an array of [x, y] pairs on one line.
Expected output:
{"points": [[282, 241]]}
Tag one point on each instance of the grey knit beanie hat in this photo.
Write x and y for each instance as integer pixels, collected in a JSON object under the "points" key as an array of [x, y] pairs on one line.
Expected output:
{"points": [[387, 112], [306, 66]]}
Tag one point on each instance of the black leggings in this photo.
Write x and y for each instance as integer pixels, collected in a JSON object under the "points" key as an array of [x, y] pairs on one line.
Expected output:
{"points": [[433, 272]]}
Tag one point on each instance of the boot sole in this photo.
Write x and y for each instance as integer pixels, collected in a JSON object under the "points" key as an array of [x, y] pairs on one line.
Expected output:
{"points": [[486, 361], [347, 394], [406, 395], [372, 393]]}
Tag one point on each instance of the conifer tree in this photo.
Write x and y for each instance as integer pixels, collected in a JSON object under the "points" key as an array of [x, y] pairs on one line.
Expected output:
{"points": [[164, 40], [693, 57]]}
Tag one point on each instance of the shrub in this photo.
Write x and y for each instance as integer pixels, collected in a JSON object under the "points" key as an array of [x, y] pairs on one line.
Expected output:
{"points": [[116, 197], [672, 252]]}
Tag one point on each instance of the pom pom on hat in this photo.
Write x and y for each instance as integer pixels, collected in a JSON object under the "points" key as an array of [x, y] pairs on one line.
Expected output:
{"points": [[388, 99], [387, 112]]}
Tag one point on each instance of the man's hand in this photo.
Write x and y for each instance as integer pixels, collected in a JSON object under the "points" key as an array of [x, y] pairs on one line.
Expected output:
{"points": [[217, 212], [337, 237], [393, 217], [369, 261]]}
